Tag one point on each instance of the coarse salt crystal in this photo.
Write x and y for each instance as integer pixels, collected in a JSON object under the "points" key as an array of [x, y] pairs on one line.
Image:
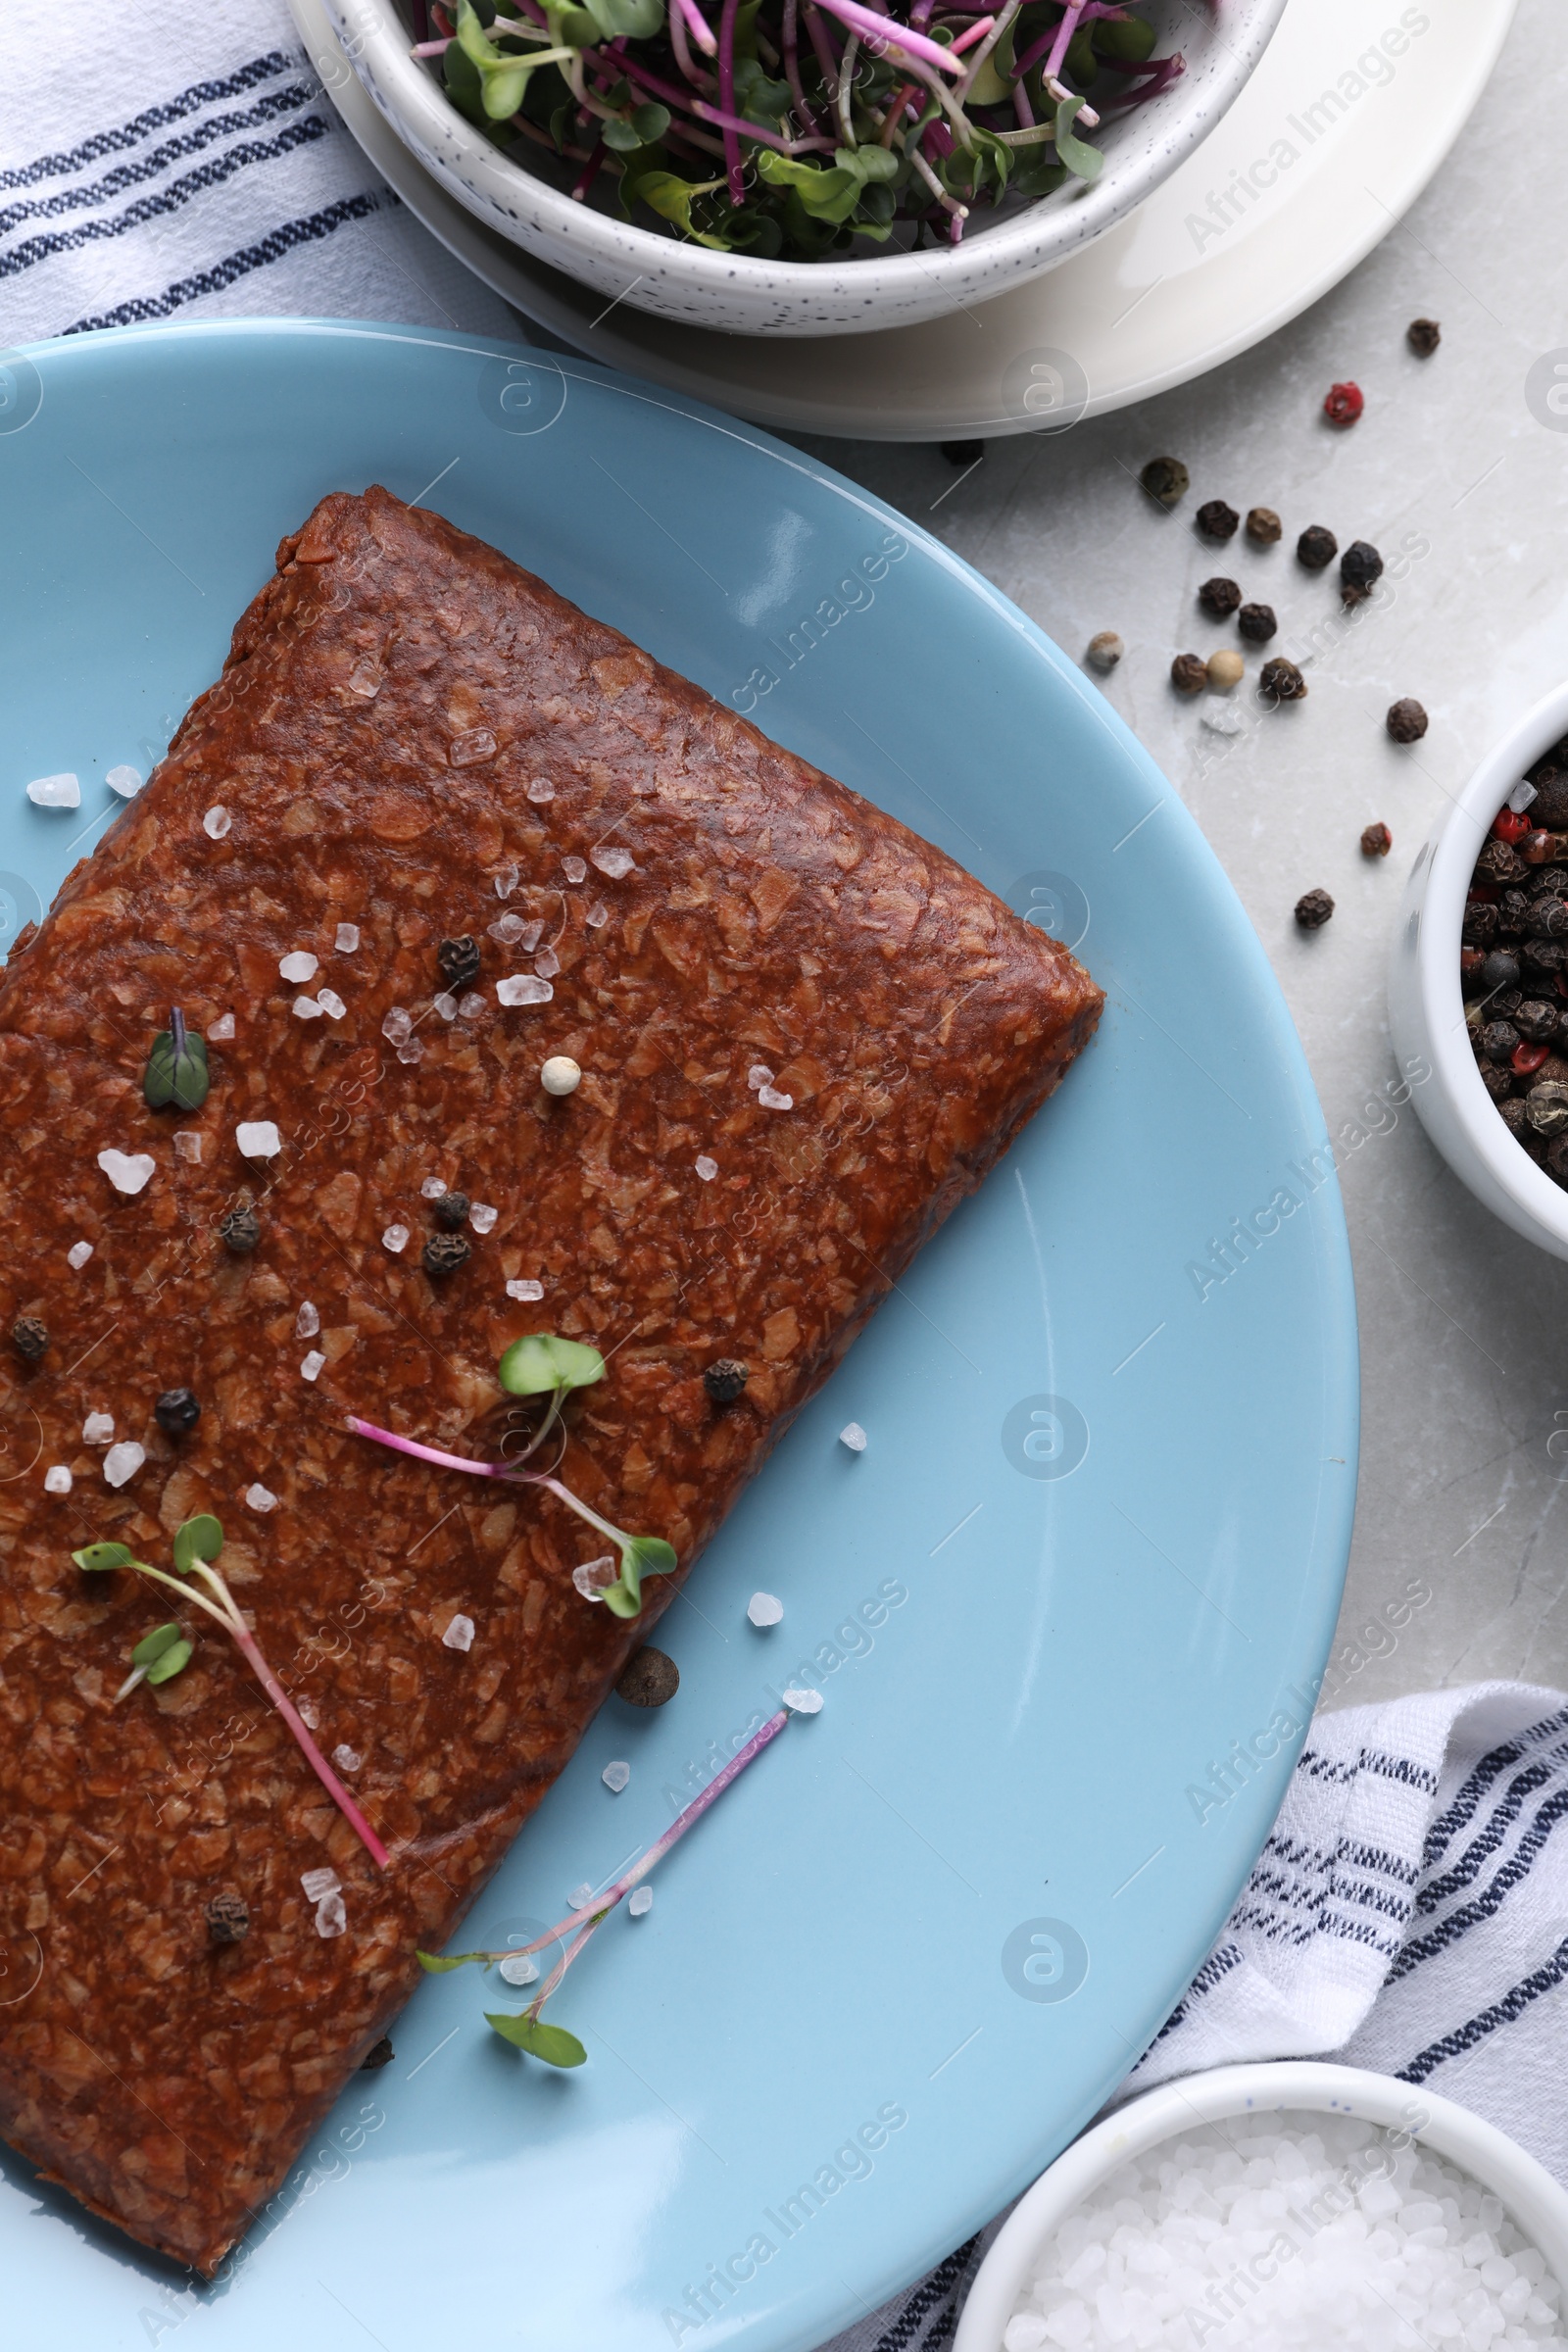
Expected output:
{"points": [[853, 1435], [640, 1902], [189, 1146], [707, 1168], [309, 1716], [446, 1005], [258, 1139], [346, 1758], [312, 1364], [319, 1883], [801, 1701], [459, 1634], [348, 938], [507, 928], [574, 869], [129, 1171], [77, 1255], [301, 965], [57, 1480], [217, 821], [580, 1897], [520, 1969], [122, 1462], [127, 781], [331, 1003], [307, 1322], [530, 936], [482, 1217], [54, 792], [547, 963], [613, 863], [395, 1239], [223, 1029], [591, 1577], [771, 1100], [505, 881], [470, 1007], [306, 1008], [466, 750], [434, 1187], [597, 917], [397, 1025], [98, 1429], [523, 988], [330, 1917], [759, 1075], [765, 1608], [1223, 719], [524, 1289], [411, 1051], [365, 680], [540, 788], [615, 1776], [260, 1497], [1521, 797]]}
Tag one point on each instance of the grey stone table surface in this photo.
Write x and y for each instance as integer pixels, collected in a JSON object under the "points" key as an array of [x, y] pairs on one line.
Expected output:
{"points": [[1464, 1327]]}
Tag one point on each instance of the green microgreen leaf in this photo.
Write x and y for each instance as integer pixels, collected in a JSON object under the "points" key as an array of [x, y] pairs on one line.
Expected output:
{"points": [[1130, 38], [1086, 162], [200, 1539], [636, 20], [640, 1556], [435, 1965], [537, 1365], [153, 1645], [826, 191], [671, 197], [177, 1070], [173, 1661], [553, 2043], [94, 1556]]}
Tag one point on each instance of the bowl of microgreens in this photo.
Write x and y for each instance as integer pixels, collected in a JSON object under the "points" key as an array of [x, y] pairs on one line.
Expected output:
{"points": [[798, 167]]}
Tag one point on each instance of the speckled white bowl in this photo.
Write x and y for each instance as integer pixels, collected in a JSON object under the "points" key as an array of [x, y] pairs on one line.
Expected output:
{"points": [[1222, 41], [1291, 2086], [1426, 1005]]}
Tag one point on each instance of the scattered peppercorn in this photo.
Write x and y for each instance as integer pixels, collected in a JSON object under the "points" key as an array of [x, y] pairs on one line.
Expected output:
{"points": [[1423, 336], [1316, 547], [1376, 841], [1256, 622], [1313, 908], [1343, 403], [1166, 480], [1500, 865], [1406, 721], [1547, 1108], [452, 1211], [241, 1229], [1225, 669], [725, 1379], [228, 1917], [458, 960], [1499, 969], [1498, 1040], [382, 2055], [29, 1338], [176, 1411], [1188, 674], [1359, 566], [1220, 597], [1280, 681], [647, 1679], [445, 1252], [1106, 649], [1217, 521], [1537, 1018], [1263, 526]]}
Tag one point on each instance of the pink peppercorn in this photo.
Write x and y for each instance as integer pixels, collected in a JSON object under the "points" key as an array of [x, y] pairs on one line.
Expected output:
{"points": [[1344, 404]]}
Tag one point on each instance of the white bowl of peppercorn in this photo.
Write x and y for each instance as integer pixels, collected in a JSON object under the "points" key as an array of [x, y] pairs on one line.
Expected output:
{"points": [[1478, 979]]}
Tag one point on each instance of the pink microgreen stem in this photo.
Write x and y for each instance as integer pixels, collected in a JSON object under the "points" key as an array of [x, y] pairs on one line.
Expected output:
{"points": [[697, 26], [881, 33], [822, 49], [430, 48], [977, 32], [792, 64], [756, 130], [588, 175], [726, 97]]}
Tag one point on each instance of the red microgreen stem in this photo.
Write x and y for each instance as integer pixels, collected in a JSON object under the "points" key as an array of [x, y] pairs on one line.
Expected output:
{"points": [[727, 95]]}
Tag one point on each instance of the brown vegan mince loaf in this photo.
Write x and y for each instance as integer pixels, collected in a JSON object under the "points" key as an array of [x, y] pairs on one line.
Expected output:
{"points": [[414, 738]]}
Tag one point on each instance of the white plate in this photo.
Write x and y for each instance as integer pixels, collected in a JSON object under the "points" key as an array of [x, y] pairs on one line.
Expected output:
{"points": [[1167, 293]]}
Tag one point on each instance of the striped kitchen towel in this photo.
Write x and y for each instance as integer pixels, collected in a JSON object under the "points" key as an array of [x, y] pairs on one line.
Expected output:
{"points": [[1409, 1913], [184, 163]]}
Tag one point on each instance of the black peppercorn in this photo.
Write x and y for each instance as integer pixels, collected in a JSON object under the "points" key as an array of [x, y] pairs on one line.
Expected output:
{"points": [[1543, 959], [382, 2055], [1551, 881], [1280, 681], [445, 1252], [452, 1211], [29, 1338], [1376, 841], [1217, 521], [1512, 1112], [1501, 864], [1406, 721], [1220, 597], [1256, 622], [647, 1679], [1263, 526], [1550, 807], [1555, 1161], [1535, 1018], [1547, 1108], [1313, 908], [1189, 674], [1167, 480], [241, 1229], [1548, 919], [1498, 1079], [725, 1380], [1499, 969], [1316, 547], [1360, 566], [1497, 1039], [176, 1411], [1480, 926], [1423, 336], [228, 1917], [458, 960]]}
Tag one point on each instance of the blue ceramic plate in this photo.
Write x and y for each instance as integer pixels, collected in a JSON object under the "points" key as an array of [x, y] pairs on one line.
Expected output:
{"points": [[1065, 1608]]}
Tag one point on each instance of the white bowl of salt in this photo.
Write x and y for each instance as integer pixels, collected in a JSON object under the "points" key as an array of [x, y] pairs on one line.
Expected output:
{"points": [[1291, 2205]]}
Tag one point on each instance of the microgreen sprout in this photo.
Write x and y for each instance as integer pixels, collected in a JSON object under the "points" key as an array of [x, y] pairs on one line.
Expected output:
{"points": [[157, 1658], [177, 1067], [529, 2031], [542, 1365], [197, 1545]]}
